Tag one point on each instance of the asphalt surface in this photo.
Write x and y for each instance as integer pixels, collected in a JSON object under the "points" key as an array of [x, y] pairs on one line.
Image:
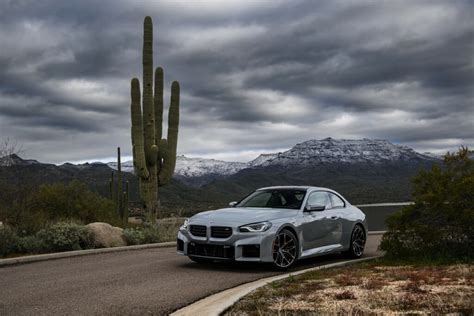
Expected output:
{"points": [[151, 281]]}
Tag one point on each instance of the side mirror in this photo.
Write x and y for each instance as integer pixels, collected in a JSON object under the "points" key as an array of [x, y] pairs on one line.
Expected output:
{"points": [[315, 208], [232, 204]]}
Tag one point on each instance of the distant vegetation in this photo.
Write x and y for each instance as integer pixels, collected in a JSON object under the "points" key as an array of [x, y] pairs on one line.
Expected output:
{"points": [[30, 208], [441, 222]]}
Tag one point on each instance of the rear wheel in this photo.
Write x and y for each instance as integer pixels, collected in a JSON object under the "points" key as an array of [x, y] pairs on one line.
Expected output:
{"points": [[284, 250], [357, 245]]}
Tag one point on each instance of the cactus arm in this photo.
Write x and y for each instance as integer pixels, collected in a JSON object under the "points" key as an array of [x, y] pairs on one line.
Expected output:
{"points": [[158, 100], [158, 107], [169, 163], [137, 132]]}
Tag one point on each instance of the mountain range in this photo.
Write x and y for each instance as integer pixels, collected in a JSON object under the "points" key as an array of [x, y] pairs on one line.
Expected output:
{"points": [[364, 171], [200, 171]]}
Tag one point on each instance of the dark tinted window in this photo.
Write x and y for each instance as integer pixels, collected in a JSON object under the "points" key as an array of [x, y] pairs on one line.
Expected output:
{"points": [[277, 198]]}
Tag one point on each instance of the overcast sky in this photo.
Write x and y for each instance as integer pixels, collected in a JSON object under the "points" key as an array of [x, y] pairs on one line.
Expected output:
{"points": [[256, 76]]}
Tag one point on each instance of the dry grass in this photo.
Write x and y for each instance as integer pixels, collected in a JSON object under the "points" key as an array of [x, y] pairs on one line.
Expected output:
{"points": [[370, 289]]}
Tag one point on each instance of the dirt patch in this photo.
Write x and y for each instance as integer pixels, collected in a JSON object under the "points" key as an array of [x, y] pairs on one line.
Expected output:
{"points": [[367, 289]]}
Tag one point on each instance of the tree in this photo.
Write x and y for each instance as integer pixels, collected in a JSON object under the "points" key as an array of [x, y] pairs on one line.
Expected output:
{"points": [[8, 148], [440, 223]]}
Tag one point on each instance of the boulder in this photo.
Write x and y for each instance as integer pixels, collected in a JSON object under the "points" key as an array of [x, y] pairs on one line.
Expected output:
{"points": [[106, 235]]}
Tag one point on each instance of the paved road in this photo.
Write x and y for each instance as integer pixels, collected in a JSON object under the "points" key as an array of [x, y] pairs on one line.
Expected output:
{"points": [[151, 281]]}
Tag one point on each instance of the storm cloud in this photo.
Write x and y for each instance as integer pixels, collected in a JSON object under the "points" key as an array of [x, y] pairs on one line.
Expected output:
{"points": [[256, 76]]}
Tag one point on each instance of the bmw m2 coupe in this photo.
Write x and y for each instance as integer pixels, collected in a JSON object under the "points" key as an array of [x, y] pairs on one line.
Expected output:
{"points": [[278, 225]]}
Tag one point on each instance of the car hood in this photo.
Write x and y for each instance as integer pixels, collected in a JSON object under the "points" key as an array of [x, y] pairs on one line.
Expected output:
{"points": [[242, 215]]}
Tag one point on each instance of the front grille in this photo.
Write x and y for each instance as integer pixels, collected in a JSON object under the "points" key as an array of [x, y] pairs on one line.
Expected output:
{"points": [[198, 230], [214, 251], [221, 232]]}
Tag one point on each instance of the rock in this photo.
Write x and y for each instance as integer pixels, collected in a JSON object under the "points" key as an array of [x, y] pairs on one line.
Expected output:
{"points": [[106, 235]]}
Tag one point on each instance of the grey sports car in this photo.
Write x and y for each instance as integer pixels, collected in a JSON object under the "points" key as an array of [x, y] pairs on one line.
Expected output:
{"points": [[278, 225]]}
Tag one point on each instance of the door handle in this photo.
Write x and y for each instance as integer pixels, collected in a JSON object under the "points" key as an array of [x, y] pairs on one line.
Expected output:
{"points": [[334, 217]]}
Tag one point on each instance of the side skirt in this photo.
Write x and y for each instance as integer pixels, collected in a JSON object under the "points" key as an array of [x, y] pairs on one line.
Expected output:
{"points": [[321, 250]]}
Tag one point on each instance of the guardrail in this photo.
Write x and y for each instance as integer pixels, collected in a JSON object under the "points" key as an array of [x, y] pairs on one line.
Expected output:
{"points": [[385, 204], [377, 213]]}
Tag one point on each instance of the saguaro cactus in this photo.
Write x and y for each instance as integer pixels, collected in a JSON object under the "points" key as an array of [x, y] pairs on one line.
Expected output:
{"points": [[117, 194], [154, 158]]}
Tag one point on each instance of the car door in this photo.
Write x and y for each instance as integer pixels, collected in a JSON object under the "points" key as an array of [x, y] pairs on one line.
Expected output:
{"points": [[338, 214], [319, 227]]}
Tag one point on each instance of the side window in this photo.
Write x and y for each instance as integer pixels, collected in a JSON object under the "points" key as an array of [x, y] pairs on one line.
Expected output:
{"points": [[337, 201], [319, 198]]}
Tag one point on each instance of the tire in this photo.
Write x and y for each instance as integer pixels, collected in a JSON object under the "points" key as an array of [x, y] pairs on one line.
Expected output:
{"points": [[357, 244], [284, 250], [200, 260]]}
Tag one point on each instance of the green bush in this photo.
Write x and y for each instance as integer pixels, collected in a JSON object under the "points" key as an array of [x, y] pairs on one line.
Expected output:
{"points": [[29, 208], [165, 230], [440, 224], [8, 240], [142, 235], [65, 237], [73, 201], [31, 244]]}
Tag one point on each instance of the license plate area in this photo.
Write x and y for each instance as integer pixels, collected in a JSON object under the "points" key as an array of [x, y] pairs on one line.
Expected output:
{"points": [[211, 251]]}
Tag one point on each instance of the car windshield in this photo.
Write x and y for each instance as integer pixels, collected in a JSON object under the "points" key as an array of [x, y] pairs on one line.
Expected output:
{"points": [[274, 198]]}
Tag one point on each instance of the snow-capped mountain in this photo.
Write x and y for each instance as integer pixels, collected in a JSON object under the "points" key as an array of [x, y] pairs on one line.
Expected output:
{"points": [[194, 167], [127, 166], [310, 152], [331, 150]]}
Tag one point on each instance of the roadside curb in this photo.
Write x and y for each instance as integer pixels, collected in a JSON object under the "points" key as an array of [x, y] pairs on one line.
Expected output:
{"points": [[218, 303], [77, 253], [376, 232]]}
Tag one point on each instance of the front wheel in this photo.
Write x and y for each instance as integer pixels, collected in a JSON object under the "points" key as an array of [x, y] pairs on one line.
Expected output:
{"points": [[285, 250], [357, 245]]}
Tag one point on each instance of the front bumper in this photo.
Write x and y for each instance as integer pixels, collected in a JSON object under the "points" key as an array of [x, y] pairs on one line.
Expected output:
{"points": [[249, 247]]}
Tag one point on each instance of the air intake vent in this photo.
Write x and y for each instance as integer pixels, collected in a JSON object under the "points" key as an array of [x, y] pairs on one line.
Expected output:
{"points": [[198, 230], [212, 251], [221, 232]]}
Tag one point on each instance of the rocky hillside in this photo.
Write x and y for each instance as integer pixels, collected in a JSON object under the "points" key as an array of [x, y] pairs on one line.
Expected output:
{"points": [[347, 151], [200, 171]]}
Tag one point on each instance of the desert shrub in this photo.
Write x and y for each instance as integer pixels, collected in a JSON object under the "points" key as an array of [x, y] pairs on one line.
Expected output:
{"points": [[31, 244], [65, 237], [15, 207], [165, 230], [73, 201], [142, 235], [29, 208], [440, 224], [8, 240]]}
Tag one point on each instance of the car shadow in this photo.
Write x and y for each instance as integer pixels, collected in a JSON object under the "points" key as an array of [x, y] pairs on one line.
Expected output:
{"points": [[255, 267]]}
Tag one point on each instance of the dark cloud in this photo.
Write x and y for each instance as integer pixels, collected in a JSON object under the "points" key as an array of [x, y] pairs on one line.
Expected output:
{"points": [[255, 75]]}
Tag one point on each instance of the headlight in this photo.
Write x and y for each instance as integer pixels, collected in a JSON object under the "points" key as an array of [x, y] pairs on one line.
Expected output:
{"points": [[185, 224], [255, 227]]}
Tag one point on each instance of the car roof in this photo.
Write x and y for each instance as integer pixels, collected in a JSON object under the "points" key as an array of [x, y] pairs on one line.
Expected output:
{"points": [[295, 187]]}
